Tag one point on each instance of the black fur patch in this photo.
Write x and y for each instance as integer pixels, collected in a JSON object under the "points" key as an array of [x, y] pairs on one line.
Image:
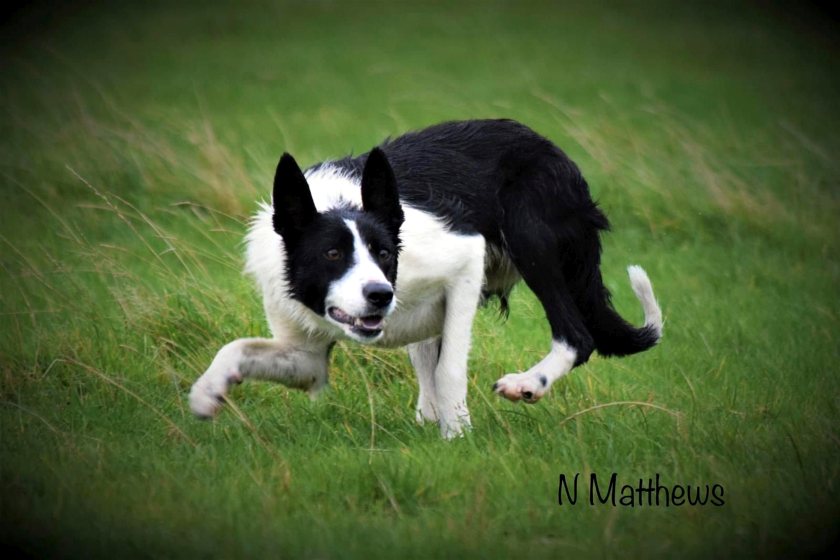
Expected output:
{"points": [[308, 270], [455, 171]]}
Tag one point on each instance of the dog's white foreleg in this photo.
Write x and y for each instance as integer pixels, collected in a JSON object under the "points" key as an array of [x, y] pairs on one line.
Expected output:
{"points": [[260, 358], [462, 298], [424, 357], [531, 385]]}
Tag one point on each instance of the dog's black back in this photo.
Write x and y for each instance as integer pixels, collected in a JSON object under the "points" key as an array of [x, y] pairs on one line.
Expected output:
{"points": [[457, 171]]}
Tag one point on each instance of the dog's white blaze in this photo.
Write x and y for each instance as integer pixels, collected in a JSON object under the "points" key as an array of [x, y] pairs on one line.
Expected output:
{"points": [[365, 267]]}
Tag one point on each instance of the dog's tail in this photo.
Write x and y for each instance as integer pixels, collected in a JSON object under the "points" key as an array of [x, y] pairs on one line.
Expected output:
{"points": [[613, 336]]}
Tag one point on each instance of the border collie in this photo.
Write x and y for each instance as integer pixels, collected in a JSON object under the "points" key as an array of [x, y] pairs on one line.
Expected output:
{"points": [[399, 246]]}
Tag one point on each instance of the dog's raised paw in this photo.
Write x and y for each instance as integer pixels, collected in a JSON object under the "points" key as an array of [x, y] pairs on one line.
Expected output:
{"points": [[528, 387], [203, 403], [208, 395]]}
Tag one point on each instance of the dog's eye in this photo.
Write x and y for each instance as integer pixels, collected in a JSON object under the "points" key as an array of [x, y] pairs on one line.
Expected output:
{"points": [[383, 254], [332, 255]]}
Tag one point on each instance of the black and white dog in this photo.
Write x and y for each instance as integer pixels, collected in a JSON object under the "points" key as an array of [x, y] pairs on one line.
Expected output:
{"points": [[399, 246]]}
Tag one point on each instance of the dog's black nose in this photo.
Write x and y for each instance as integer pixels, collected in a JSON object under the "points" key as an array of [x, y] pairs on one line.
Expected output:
{"points": [[378, 294]]}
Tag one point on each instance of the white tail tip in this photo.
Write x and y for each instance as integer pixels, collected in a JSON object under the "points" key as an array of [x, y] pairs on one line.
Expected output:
{"points": [[644, 291]]}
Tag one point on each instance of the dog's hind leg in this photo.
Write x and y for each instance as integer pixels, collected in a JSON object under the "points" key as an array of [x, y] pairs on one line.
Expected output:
{"points": [[259, 358], [549, 224], [424, 357], [571, 343]]}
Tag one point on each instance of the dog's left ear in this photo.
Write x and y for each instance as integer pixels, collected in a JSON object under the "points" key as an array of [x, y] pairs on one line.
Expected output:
{"points": [[379, 192]]}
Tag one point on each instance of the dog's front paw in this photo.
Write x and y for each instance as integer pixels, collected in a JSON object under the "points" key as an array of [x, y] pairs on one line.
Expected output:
{"points": [[426, 410], [454, 420], [528, 387], [208, 393]]}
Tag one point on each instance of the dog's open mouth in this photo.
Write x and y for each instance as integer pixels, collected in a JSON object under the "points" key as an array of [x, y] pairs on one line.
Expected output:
{"points": [[369, 325]]}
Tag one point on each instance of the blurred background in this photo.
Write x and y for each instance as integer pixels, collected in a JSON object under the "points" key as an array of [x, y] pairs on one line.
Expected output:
{"points": [[137, 138]]}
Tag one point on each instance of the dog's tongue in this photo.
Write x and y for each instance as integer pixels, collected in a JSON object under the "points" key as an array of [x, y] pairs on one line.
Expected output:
{"points": [[371, 321]]}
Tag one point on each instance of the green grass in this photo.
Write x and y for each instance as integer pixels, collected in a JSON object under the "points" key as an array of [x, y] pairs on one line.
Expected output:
{"points": [[135, 142]]}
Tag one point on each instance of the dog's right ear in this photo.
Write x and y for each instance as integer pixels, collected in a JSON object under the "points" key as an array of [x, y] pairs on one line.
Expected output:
{"points": [[380, 196], [294, 209]]}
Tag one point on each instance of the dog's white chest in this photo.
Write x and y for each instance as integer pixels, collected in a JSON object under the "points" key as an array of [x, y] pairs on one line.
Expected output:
{"points": [[433, 258]]}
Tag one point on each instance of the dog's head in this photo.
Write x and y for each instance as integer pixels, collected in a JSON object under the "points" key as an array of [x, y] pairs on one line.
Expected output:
{"points": [[342, 263]]}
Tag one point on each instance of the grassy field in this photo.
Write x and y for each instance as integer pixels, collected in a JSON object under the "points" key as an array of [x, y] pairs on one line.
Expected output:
{"points": [[136, 141]]}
